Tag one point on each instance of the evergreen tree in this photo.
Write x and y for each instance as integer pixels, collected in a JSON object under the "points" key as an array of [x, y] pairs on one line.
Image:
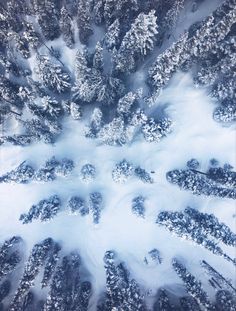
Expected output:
{"points": [[112, 36], [66, 27], [50, 265], [84, 20], [35, 261], [185, 226], [95, 123], [9, 256], [122, 292], [95, 205], [21, 174], [167, 63], [189, 303], [137, 41], [163, 303], [98, 57], [31, 36], [67, 292], [53, 76], [193, 286], [47, 15], [199, 183], [45, 210], [114, 133], [224, 301]]}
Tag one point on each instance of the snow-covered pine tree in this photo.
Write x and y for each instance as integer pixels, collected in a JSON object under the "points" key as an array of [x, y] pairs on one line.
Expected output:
{"points": [[163, 302], [53, 75], [172, 14], [47, 16], [137, 42], [51, 264], [10, 255], [44, 210], [66, 27], [98, 57], [84, 20], [193, 286], [31, 36], [22, 174], [167, 63], [112, 36], [35, 261], [138, 207], [122, 292]]}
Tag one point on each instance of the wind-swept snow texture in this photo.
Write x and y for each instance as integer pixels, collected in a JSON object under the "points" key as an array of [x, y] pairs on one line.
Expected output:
{"points": [[104, 173]]}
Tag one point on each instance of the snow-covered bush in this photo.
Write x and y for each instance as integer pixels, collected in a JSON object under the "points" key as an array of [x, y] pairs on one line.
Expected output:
{"points": [[45, 210], [22, 174], [88, 172], [122, 171], [77, 205], [143, 175], [138, 207], [95, 205]]}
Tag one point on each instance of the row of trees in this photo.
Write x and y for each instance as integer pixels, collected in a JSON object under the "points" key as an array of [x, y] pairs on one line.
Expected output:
{"points": [[199, 228], [46, 209], [208, 46], [124, 170], [25, 173], [216, 181], [65, 278]]}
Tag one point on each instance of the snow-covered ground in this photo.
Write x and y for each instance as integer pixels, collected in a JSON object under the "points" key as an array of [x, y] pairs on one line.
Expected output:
{"points": [[195, 135]]}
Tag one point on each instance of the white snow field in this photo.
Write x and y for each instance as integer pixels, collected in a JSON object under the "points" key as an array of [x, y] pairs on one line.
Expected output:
{"points": [[194, 135]]}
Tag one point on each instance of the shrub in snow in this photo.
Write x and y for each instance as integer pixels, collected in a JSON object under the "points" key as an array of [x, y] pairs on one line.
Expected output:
{"points": [[138, 206], [193, 164], [76, 111], [143, 175], [22, 174], [88, 172], [153, 257], [45, 210], [77, 205], [95, 205], [122, 171]]}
